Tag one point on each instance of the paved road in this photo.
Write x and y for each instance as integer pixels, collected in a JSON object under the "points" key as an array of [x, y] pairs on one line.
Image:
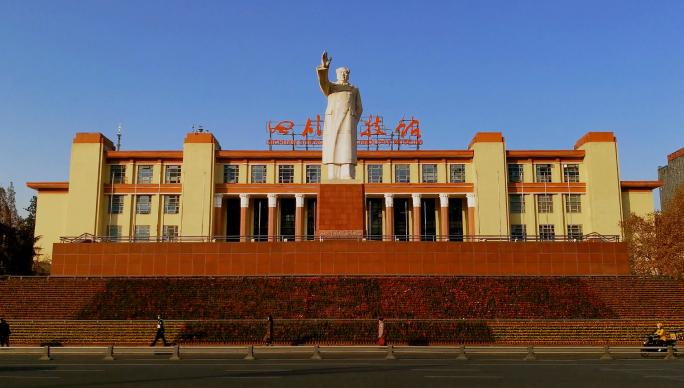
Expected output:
{"points": [[356, 372]]}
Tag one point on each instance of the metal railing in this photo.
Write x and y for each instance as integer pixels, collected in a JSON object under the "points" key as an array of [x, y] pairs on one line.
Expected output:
{"points": [[252, 352], [593, 237]]}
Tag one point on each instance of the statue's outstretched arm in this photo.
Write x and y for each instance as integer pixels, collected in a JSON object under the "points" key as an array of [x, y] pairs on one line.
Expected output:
{"points": [[325, 62], [322, 71]]}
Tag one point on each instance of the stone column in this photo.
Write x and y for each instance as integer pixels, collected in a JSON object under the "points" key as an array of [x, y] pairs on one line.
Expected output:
{"points": [[444, 216], [272, 216], [471, 214], [416, 217], [218, 213], [299, 217], [244, 216], [389, 217]]}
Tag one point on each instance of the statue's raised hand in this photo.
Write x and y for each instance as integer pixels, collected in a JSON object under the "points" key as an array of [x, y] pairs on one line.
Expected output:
{"points": [[325, 62]]}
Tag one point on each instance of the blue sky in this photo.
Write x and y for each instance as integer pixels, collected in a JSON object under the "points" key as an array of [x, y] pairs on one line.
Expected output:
{"points": [[542, 72]]}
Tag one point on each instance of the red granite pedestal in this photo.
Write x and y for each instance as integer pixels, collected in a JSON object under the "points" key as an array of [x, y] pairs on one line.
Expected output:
{"points": [[340, 210], [341, 257]]}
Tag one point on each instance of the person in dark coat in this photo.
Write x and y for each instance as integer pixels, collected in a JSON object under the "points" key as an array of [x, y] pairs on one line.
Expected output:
{"points": [[4, 333], [160, 331], [268, 338]]}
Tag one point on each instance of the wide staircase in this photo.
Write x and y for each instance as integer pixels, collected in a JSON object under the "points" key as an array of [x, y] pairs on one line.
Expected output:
{"points": [[47, 298], [624, 332], [333, 309], [640, 297], [48, 332]]}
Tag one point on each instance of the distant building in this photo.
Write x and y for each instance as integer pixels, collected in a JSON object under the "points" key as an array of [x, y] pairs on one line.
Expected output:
{"points": [[672, 175]]}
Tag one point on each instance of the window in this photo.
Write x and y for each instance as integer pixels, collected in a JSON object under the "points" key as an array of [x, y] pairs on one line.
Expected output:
{"points": [[457, 173], [286, 173], [402, 173], [543, 173], [259, 173], [517, 203], [575, 232], [515, 173], [375, 173], [170, 232], [313, 173], [546, 233], [145, 174], [173, 174], [573, 203], [117, 174], [115, 204], [143, 204], [142, 233], [518, 232], [231, 173], [429, 173], [288, 210], [171, 204], [545, 203], [374, 219], [571, 172], [114, 232]]}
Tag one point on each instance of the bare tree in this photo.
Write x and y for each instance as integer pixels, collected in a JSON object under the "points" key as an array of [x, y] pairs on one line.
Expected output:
{"points": [[17, 240], [656, 241], [8, 208]]}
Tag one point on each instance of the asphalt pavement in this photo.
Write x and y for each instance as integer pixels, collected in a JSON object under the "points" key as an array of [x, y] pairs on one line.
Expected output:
{"points": [[347, 371]]}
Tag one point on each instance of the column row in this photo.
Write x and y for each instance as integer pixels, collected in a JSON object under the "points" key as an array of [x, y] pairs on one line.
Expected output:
{"points": [[295, 217], [254, 217], [422, 223]]}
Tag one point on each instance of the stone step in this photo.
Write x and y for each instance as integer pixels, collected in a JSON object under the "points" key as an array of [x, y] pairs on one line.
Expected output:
{"points": [[143, 332]]}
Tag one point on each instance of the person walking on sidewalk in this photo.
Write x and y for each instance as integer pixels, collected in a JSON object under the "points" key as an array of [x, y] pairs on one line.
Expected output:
{"points": [[4, 333], [382, 341], [160, 331], [268, 338]]}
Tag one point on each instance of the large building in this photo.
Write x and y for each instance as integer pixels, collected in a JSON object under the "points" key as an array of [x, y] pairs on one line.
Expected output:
{"points": [[204, 193], [671, 175]]}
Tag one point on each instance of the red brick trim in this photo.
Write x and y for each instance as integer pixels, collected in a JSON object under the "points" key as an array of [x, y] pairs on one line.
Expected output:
{"points": [[94, 138], [49, 187], [596, 137], [486, 137], [640, 185]]}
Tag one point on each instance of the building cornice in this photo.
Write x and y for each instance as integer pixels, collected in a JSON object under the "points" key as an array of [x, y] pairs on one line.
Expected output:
{"points": [[49, 187]]}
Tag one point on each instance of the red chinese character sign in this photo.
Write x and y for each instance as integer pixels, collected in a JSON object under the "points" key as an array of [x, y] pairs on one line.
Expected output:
{"points": [[309, 129], [283, 127], [374, 128], [372, 134]]}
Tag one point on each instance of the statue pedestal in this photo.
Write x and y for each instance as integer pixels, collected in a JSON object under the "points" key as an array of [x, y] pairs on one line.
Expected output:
{"points": [[340, 209], [341, 181]]}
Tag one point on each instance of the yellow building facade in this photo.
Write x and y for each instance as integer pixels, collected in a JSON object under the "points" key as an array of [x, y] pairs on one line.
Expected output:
{"points": [[205, 193]]}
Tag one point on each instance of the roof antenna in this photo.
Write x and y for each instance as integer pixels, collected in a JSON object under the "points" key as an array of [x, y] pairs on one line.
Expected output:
{"points": [[118, 139], [193, 128], [200, 129]]}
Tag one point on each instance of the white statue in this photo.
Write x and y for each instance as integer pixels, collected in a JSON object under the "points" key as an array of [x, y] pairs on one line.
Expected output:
{"points": [[341, 117]]}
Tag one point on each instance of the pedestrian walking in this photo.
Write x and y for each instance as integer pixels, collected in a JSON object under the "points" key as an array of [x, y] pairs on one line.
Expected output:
{"points": [[160, 331], [4, 333], [382, 341], [268, 338]]}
